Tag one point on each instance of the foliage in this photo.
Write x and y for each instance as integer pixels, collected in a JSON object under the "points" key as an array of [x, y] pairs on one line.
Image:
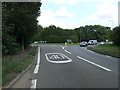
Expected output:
{"points": [[19, 24], [115, 35], [11, 69], [53, 34], [97, 32]]}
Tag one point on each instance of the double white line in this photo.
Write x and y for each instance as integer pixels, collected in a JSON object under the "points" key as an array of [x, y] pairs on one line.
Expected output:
{"points": [[34, 82]]}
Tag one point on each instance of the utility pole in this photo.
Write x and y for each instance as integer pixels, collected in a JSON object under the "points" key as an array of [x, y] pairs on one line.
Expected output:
{"points": [[119, 13], [112, 22], [22, 43]]}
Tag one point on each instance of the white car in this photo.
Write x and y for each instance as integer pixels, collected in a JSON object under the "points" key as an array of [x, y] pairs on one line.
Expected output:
{"points": [[101, 43], [92, 42]]}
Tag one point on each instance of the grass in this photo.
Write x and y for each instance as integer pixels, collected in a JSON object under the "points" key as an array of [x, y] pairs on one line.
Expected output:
{"points": [[54, 44], [110, 50], [11, 70], [0, 75]]}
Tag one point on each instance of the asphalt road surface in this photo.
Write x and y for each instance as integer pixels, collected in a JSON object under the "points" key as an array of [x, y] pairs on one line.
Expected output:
{"points": [[73, 67]]}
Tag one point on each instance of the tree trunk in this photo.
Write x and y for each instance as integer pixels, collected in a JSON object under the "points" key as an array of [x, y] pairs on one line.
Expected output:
{"points": [[22, 43]]}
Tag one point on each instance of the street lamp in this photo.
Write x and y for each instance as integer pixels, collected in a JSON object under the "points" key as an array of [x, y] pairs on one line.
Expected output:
{"points": [[112, 22]]}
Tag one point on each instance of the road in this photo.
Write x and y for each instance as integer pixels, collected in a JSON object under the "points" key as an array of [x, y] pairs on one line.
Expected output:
{"points": [[73, 67]]}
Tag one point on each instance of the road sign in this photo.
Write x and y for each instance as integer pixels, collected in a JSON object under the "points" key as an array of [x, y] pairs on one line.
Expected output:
{"points": [[57, 58]]}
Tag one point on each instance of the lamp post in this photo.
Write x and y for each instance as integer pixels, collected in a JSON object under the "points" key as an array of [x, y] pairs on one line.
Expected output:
{"points": [[112, 22]]}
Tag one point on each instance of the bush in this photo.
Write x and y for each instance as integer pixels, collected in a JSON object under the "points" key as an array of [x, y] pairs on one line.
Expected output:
{"points": [[115, 36], [74, 39]]}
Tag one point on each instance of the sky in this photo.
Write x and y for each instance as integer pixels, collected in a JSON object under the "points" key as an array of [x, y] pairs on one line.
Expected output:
{"points": [[70, 14]]}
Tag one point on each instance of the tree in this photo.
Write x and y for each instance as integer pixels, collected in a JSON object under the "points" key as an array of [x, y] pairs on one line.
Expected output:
{"points": [[20, 22], [115, 36]]}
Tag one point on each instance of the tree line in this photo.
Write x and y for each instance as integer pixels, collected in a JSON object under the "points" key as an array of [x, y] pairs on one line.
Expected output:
{"points": [[19, 24], [53, 34]]}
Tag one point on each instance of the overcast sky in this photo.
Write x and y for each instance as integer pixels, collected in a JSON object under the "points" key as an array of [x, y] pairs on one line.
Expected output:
{"points": [[70, 14]]}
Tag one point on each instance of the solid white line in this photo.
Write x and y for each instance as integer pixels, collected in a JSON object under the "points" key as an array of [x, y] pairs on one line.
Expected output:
{"points": [[38, 62], [38, 59], [34, 84], [67, 51], [94, 64]]}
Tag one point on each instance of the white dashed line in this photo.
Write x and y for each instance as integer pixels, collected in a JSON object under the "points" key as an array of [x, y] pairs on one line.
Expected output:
{"points": [[34, 84], [67, 51], [94, 64], [36, 69]]}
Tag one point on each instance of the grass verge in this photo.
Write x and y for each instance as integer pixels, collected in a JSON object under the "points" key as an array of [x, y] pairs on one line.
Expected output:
{"points": [[0, 76], [110, 50], [54, 44], [11, 70]]}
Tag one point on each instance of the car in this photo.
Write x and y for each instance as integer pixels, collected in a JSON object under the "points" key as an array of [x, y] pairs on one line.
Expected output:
{"points": [[92, 42], [83, 44], [102, 43]]}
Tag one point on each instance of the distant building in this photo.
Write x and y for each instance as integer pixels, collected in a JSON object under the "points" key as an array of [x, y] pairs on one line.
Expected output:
{"points": [[119, 13]]}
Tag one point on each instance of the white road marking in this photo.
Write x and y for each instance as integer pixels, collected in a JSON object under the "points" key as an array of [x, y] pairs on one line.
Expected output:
{"points": [[62, 55], [38, 59], [63, 47], [108, 56], [94, 64], [36, 69], [34, 84], [53, 57], [91, 51], [38, 62], [67, 51]]}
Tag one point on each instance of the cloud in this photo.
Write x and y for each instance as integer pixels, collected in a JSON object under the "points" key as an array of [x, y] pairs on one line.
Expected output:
{"points": [[49, 17], [63, 13], [104, 13], [74, 2]]}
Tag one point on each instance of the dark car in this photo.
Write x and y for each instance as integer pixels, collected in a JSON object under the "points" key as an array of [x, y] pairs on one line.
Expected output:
{"points": [[83, 44]]}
